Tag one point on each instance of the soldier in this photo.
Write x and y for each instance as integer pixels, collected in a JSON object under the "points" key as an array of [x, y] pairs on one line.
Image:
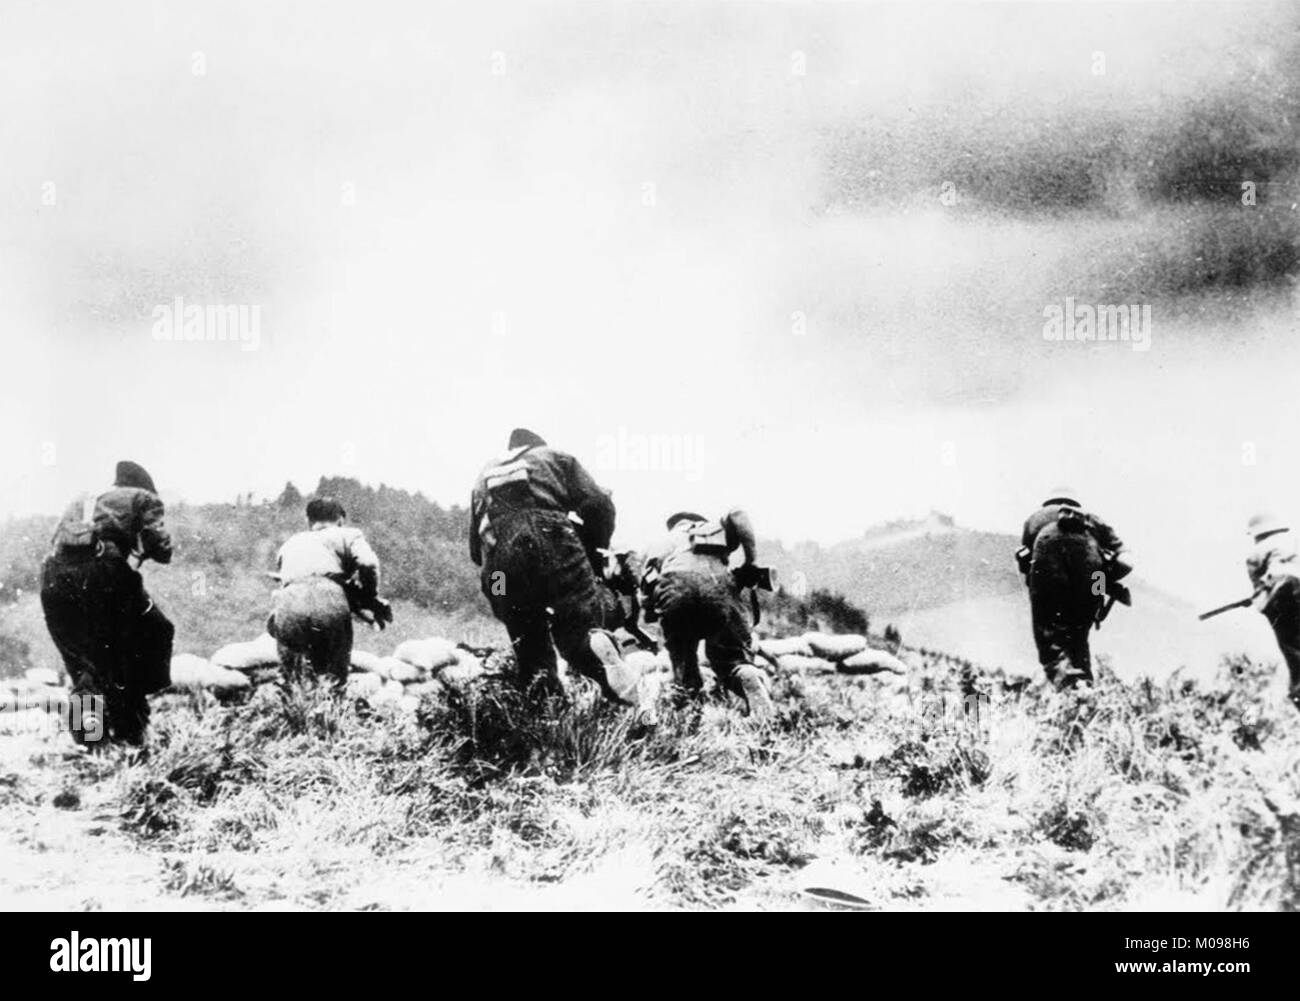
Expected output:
{"points": [[538, 523], [327, 574], [1069, 559], [115, 641], [690, 588], [1274, 570]]}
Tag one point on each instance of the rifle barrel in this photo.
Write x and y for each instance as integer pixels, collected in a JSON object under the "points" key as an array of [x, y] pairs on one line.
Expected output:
{"points": [[1243, 603]]}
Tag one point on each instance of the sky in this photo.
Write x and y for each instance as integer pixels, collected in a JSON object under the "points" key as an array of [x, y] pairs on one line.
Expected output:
{"points": [[613, 224]]}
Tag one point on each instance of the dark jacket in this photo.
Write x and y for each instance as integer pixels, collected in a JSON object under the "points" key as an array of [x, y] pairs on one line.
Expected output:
{"points": [[1062, 554], [1104, 535], [539, 478], [126, 519]]}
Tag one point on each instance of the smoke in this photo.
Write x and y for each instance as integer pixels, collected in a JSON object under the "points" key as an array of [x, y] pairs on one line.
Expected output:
{"points": [[715, 224]]}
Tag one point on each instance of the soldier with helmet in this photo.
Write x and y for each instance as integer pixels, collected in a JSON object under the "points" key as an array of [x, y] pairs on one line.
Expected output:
{"points": [[1069, 558], [1274, 569]]}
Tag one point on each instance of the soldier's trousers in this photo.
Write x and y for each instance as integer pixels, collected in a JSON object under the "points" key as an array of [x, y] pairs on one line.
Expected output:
{"points": [[1283, 614], [539, 581], [115, 643], [312, 624], [694, 606], [1061, 628]]}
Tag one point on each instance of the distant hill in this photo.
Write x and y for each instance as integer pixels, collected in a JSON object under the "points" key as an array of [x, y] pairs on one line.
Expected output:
{"points": [[958, 590], [905, 566]]}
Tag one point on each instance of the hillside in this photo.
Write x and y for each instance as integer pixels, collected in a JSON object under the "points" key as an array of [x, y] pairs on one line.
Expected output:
{"points": [[874, 788], [218, 587], [957, 590], [946, 587], [905, 565]]}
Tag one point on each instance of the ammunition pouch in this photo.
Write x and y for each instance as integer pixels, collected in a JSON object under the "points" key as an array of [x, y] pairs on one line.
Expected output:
{"points": [[1023, 557]]}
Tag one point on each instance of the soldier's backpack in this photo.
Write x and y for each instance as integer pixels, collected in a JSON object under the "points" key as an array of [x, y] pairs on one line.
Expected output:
{"points": [[1071, 519], [709, 538], [506, 487], [506, 481], [74, 537]]}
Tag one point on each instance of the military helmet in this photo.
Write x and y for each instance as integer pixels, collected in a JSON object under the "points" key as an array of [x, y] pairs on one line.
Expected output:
{"points": [[1061, 495], [683, 516], [1265, 523]]}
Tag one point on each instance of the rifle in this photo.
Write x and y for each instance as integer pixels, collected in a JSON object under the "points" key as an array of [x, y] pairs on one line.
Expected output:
{"points": [[365, 606], [1243, 603]]}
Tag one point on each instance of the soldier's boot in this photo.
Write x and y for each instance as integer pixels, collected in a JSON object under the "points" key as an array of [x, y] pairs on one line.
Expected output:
{"points": [[754, 686], [621, 680], [1063, 674]]}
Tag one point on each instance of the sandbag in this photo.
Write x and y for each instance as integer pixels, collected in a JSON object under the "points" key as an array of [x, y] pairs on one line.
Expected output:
{"points": [[458, 675], [835, 647], [793, 663], [468, 660], [363, 685], [428, 655], [399, 670], [191, 671], [420, 689], [390, 692], [260, 652], [871, 662], [42, 676], [775, 647], [362, 660]]}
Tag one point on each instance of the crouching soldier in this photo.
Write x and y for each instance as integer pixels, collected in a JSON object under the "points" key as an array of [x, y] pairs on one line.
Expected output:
{"points": [[538, 522], [115, 641], [327, 574], [690, 588], [1071, 566], [1274, 569]]}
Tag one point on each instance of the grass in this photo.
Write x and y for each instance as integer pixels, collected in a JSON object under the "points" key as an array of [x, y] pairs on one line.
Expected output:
{"points": [[1173, 796], [1166, 796]]}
